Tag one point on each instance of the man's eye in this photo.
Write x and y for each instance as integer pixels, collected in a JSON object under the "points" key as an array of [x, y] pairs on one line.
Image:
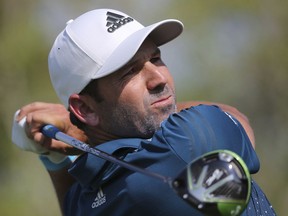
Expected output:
{"points": [[129, 72]]}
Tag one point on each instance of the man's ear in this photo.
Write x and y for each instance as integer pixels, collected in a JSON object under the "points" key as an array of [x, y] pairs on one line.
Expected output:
{"points": [[82, 108]]}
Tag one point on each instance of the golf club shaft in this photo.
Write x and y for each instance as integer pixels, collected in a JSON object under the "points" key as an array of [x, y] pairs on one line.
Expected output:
{"points": [[54, 133]]}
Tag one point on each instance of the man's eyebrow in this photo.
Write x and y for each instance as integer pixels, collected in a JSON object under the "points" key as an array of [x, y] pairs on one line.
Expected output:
{"points": [[156, 52]]}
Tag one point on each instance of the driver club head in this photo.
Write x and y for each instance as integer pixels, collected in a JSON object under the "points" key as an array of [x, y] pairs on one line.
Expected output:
{"points": [[217, 183]]}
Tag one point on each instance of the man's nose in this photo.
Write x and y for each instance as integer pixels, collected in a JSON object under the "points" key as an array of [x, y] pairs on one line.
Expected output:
{"points": [[155, 77]]}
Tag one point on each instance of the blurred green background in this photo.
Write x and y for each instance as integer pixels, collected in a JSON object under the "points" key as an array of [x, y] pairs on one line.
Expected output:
{"points": [[234, 52]]}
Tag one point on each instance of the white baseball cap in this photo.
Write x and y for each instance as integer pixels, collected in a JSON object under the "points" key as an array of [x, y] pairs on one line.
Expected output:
{"points": [[98, 43]]}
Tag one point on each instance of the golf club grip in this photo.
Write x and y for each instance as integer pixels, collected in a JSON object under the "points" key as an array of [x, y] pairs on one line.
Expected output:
{"points": [[50, 131]]}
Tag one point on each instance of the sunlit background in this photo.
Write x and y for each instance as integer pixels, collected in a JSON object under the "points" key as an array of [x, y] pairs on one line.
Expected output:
{"points": [[234, 52]]}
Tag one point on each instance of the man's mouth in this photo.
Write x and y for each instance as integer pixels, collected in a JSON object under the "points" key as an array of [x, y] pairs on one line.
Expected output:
{"points": [[162, 101]]}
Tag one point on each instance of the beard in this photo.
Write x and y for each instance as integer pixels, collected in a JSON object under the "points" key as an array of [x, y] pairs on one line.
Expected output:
{"points": [[134, 125], [127, 121]]}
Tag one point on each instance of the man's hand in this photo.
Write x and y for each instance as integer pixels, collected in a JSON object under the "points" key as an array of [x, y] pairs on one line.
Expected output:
{"points": [[28, 122], [38, 114]]}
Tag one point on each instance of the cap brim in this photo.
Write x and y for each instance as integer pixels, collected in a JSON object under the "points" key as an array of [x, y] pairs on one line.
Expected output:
{"points": [[161, 33]]}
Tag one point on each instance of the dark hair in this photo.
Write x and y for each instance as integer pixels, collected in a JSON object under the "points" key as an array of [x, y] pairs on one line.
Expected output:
{"points": [[92, 90]]}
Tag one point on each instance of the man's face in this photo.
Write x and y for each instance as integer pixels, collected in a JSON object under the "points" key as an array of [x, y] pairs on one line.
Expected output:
{"points": [[138, 97]]}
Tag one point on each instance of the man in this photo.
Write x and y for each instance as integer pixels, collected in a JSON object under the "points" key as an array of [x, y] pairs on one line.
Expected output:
{"points": [[107, 70]]}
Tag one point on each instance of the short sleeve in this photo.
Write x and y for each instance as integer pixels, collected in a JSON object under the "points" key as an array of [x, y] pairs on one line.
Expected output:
{"points": [[198, 130]]}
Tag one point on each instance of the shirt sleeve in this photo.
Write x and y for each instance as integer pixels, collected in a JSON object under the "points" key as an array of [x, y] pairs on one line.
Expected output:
{"points": [[201, 129]]}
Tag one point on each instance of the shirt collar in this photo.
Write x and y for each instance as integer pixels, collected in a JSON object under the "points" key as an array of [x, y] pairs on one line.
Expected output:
{"points": [[87, 166]]}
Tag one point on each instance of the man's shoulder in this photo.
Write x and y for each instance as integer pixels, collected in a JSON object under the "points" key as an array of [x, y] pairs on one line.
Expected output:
{"points": [[200, 129], [201, 109], [201, 116]]}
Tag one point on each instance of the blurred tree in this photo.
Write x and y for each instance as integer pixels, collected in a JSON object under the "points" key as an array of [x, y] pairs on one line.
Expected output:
{"points": [[24, 78]]}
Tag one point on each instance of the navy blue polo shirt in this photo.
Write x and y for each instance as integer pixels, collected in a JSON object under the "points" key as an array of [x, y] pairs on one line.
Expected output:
{"points": [[104, 188]]}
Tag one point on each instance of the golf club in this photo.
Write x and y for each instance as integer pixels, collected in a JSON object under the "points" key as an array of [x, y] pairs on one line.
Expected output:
{"points": [[217, 183]]}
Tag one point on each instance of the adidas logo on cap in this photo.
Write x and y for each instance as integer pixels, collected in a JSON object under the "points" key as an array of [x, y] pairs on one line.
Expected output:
{"points": [[115, 21]]}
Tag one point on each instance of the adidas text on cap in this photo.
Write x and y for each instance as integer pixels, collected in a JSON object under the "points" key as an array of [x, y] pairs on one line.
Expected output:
{"points": [[98, 43]]}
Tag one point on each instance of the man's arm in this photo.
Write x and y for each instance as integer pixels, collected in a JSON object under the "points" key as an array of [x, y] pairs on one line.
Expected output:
{"points": [[52, 152], [229, 109], [61, 181]]}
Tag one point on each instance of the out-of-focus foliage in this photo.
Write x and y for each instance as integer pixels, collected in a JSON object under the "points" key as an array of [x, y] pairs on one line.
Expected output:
{"points": [[235, 52]]}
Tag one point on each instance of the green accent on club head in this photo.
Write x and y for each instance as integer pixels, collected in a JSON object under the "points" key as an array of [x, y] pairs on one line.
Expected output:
{"points": [[236, 207], [217, 183], [231, 209]]}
